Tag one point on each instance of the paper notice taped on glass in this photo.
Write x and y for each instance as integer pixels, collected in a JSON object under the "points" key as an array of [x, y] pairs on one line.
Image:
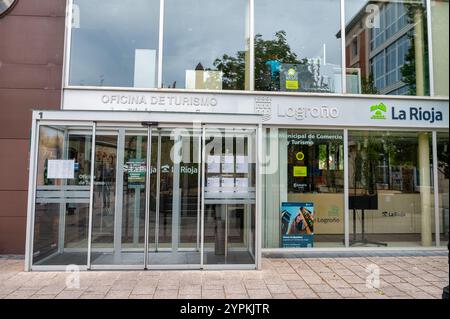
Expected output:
{"points": [[242, 164], [213, 184], [242, 184], [61, 169], [213, 164], [227, 184], [228, 164]]}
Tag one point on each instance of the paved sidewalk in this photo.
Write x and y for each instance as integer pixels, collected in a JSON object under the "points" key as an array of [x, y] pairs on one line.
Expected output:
{"points": [[343, 277]]}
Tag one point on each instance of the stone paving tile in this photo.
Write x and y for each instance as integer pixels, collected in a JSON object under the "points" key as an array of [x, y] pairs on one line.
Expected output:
{"points": [[313, 280], [418, 277], [43, 296], [190, 296], [255, 284], [140, 296], [166, 294], [72, 294], [322, 288], [407, 287], [375, 295], [329, 295], [432, 290], [21, 293], [91, 296], [305, 293], [236, 296], [118, 294], [191, 290], [353, 279], [278, 289], [348, 293], [338, 283], [259, 293], [235, 289], [284, 296], [213, 294], [96, 289]]}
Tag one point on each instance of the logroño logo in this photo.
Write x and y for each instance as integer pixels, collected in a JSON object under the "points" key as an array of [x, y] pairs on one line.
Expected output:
{"points": [[6, 5], [379, 111]]}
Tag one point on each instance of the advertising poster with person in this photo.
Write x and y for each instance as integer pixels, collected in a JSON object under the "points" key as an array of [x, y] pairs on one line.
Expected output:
{"points": [[297, 225]]}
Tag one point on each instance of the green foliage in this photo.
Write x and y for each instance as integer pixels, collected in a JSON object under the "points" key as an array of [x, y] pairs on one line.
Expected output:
{"points": [[234, 67], [408, 70], [368, 85]]}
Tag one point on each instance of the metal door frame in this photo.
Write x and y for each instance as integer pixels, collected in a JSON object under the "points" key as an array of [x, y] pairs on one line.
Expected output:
{"points": [[91, 120]]}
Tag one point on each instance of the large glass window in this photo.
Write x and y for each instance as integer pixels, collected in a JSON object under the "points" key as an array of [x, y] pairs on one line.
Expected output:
{"points": [[443, 178], [114, 43], [390, 188], [395, 31], [296, 46], [206, 45], [439, 25], [304, 189]]}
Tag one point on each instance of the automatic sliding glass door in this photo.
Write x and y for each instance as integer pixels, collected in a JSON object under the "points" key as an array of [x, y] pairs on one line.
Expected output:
{"points": [[174, 221], [118, 221], [229, 212], [61, 216], [185, 200]]}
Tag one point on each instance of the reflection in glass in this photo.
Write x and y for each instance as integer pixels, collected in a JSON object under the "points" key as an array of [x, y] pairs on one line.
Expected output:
{"points": [[309, 169], [229, 197], [439, 27], [390, 177], [114, 43], [443, 182], [295, 51], [134, 196], [104, 239], [205, 45], [62, 196], [386, 45], [174, 234]]}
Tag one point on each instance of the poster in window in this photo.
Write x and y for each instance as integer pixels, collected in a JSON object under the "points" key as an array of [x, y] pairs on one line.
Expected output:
{"points": [[297, 225]]}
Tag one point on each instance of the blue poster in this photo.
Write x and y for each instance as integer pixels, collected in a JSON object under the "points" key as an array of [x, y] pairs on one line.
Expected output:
{"points": [[297, 225]]}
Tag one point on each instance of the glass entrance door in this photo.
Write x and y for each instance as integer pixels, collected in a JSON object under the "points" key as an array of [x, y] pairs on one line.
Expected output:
{"points": [[119, 199], [174, 221], [120, 225], [229, 211], [145, 197]]}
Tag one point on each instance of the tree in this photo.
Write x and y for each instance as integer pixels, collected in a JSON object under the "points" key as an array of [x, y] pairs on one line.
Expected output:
{"points": [[233, 67], [408, 70], [368, 85]]}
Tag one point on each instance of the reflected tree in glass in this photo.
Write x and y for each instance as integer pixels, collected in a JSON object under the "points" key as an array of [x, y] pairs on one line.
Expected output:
{"points": [[233, 67], [415, 70]]}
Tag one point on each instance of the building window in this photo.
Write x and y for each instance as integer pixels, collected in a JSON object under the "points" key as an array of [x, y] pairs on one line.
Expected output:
{"points": [[397, 35], [294, 50], [304, 189], [390, 183], [205, 45], [355, 47], [439, 26], [114, 43]]}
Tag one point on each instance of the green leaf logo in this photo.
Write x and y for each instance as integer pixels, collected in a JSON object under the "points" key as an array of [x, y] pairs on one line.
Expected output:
{"points": [[379, 111]]}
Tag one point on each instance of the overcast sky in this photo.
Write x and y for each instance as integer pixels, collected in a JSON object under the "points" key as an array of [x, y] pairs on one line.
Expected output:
{"points": [[195, 31]]}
